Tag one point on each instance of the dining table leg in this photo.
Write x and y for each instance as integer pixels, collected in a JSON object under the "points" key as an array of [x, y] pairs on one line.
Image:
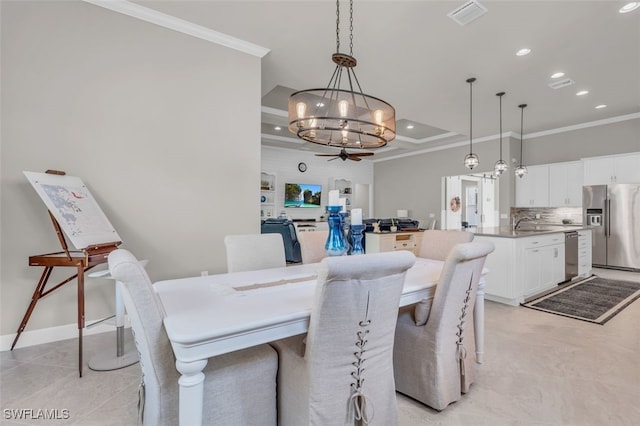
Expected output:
{"points": [[191, 392], [478, 320]]}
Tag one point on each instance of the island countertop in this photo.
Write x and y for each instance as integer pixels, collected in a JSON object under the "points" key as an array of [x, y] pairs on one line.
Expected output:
{"points": [[529, 230]]}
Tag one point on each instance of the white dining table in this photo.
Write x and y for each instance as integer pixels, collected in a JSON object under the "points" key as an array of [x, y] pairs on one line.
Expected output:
{"points": [[211, 315]]}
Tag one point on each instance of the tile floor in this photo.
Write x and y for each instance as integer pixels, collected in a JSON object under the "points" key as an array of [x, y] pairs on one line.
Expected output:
{"points": [[540, 369]]}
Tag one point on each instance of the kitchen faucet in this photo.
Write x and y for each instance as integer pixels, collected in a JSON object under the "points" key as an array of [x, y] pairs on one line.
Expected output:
{"points": [[523, 219]]}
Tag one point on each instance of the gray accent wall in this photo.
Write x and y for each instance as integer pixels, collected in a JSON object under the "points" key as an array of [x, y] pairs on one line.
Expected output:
{"points": [[414, 182], [163, 128]]}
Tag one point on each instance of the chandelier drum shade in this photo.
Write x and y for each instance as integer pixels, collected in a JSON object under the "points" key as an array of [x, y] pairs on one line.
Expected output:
{"points": [[341, 114]]}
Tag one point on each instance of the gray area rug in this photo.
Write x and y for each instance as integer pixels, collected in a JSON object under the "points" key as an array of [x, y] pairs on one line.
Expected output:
{"points": [[594, 299]]}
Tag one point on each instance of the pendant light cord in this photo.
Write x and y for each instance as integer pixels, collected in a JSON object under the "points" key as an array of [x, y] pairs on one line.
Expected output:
{"points": [[471, 116], [521, 127], [500, 96]]}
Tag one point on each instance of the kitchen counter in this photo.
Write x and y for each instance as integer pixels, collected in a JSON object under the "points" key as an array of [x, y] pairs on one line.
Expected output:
{"points": [[528, 230]]}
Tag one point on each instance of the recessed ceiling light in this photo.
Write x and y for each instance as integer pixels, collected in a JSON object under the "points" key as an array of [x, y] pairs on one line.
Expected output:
{"points": [[409, 126], [629, 7], [557, 75], [582, 93], [277, 128], [601, 106], [523, 52]]}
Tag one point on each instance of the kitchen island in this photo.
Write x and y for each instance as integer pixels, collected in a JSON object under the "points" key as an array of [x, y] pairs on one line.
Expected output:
{"points": [[531, 260]]}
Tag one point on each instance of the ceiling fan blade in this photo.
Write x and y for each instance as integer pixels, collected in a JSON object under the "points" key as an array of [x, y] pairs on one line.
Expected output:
{"points": [[335, 158], [355, 158], [327, 155], [362, 154]]}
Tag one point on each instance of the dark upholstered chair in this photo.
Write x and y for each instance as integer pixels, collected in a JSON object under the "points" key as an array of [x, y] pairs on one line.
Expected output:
{"points": [[285, 228]]}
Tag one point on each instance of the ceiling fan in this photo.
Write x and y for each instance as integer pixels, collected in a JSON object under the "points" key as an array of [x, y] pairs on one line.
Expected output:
{"points": [[344, 155]]}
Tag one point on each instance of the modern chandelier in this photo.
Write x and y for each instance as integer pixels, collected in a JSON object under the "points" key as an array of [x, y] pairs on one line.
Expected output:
{"points": [[501, 165], [521, 170], [471, 160], [342, 117]]}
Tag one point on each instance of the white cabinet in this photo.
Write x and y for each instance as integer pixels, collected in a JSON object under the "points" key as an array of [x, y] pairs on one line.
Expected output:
{"points": [[391, 241], [584, 253], [522, 267], [565, 184], [532, 190], [543, 263], [612, 169]]}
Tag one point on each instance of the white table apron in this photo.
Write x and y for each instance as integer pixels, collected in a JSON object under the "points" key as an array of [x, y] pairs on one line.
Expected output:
{"points": [[212, 315]]}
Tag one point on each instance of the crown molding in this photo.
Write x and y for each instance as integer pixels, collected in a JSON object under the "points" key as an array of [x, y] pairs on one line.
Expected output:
{"points": [[584, 125], [180, 25]]}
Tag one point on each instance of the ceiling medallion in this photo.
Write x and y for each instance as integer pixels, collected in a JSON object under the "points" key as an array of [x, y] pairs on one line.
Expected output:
{"points": [[342, 117]]}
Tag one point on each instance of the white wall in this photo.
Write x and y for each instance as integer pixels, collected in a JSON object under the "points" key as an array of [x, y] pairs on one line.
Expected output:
{"points": [[162, 127], [284, 163]]}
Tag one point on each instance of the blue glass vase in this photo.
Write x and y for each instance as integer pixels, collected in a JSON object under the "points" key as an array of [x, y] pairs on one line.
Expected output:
{"points": [[336, 242], [356, 239]]}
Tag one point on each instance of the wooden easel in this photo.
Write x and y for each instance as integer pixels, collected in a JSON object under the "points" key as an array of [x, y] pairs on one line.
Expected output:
{"points": [[83, 260]]}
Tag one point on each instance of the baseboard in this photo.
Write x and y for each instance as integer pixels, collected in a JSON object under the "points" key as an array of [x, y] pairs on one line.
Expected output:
{"points": [[50, 334]]}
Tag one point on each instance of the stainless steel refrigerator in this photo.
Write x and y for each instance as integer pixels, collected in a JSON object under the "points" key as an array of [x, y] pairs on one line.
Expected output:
{"points": [[613, 211]]}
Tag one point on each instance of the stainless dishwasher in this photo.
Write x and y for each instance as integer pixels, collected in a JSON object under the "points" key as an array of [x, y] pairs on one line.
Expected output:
{"points": [[570, 255]]}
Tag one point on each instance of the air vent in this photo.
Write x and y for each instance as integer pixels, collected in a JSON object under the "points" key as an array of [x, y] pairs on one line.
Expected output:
{"points": [[562, 83], [470, 11]]}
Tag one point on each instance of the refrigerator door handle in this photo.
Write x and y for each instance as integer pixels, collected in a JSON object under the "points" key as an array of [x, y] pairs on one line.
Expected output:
{"points": [[607, 222]]}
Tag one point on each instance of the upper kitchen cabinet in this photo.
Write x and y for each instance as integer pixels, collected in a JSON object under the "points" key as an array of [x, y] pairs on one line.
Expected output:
{"points": [[532, 190], [612, 169], [565, 184]]}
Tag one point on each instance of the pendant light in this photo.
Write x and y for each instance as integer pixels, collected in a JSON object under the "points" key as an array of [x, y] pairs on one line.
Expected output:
{"points": [[471, 160], [342, 117], [521, 170], [501, 165]]}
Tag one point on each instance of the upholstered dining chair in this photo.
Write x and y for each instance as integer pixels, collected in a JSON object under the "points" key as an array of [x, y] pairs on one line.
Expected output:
{"points": [[251, 252], [340, 372], [312, 245], [434, 353], [239, 387], [436, 243]]}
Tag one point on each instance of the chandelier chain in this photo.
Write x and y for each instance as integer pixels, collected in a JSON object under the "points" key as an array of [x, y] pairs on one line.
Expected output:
{"points": [[337, 26], [351, 27]]}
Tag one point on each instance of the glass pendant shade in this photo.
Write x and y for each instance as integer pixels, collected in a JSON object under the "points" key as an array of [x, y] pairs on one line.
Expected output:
{"points": [[500, 167], [521, 171], [471, 160], [341, 114]]}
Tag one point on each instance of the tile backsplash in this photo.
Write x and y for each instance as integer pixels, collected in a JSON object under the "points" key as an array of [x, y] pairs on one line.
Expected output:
{"points": [[554, 215]]}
